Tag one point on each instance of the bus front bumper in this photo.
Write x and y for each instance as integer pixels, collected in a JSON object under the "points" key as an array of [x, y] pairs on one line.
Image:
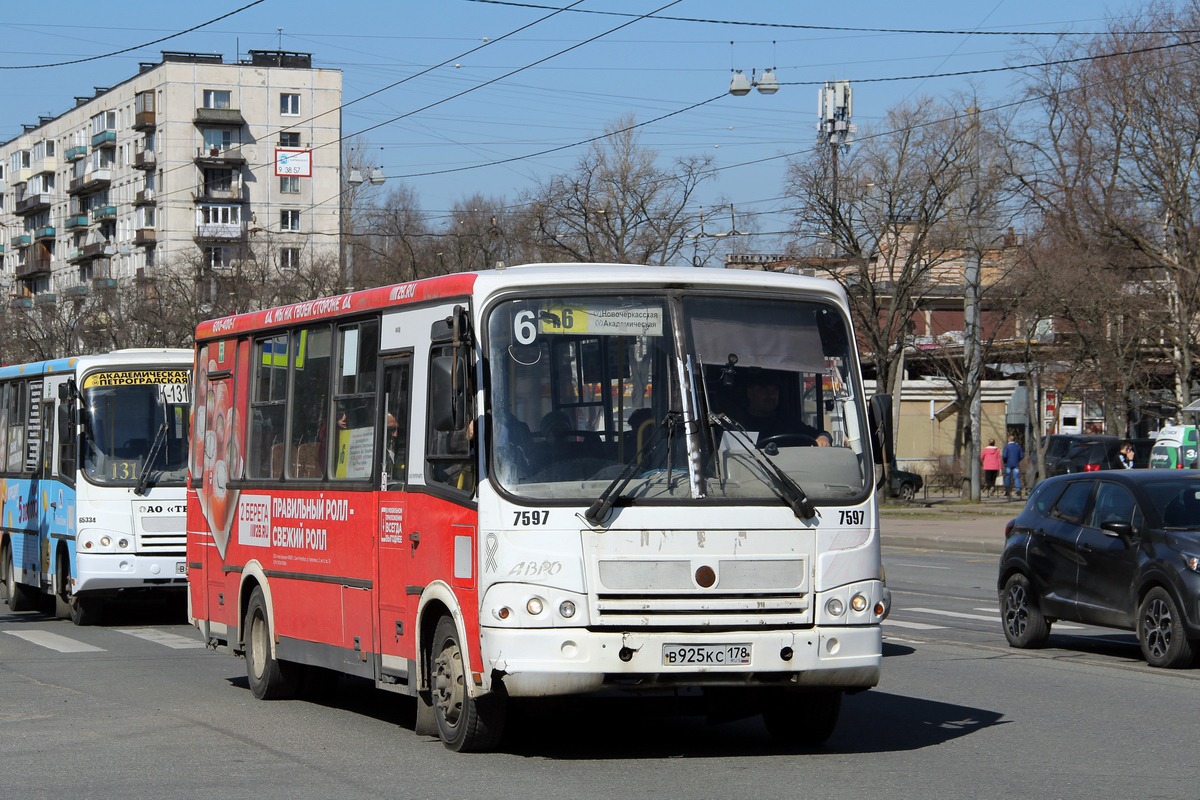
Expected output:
{"points": [[562, 661], [116, 571]]}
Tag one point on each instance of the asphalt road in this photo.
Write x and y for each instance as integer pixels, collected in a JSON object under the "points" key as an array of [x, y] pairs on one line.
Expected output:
{"points": [[138, 708]]}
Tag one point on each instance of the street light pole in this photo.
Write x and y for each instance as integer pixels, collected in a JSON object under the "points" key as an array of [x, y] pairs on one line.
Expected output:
{"points": [[356, 178]]}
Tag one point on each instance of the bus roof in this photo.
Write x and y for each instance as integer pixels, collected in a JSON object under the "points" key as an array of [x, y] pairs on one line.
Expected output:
{"points": [[117, 358], [484, 283]]}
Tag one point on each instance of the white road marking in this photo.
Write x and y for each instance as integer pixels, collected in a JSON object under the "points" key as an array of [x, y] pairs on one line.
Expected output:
{"points": [[172, 640], [919, 626], [989, 611], [53, 641], [1058, 626], [919, 566]]}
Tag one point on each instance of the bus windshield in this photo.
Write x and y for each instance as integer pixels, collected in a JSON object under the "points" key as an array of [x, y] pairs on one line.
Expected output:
{"points": [[686, 395], [127, 421]]}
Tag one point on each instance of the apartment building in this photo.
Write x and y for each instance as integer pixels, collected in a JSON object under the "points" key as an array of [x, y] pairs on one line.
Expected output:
{"points": [[193, 163]]}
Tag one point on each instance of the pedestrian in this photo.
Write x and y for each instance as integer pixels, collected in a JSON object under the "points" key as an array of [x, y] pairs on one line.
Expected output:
{"points": [[991, 465], [1126, 455], [1012, 456]]}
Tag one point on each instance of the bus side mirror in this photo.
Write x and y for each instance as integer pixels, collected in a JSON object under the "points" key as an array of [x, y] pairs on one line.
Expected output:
{"points": [[883, 439], [448, 393]]}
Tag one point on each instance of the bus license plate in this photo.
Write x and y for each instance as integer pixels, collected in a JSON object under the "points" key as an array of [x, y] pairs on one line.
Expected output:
{"points": [[181, 568], [705, 655]]}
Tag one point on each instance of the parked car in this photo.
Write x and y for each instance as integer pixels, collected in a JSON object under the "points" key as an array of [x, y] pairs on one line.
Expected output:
{"points": [[905, 484], [1118, 549], [1067, 453], [1096, 454]]}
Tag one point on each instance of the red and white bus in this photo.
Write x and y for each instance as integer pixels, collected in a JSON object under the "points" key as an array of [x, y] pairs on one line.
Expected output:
{"points": [[544, 480]]}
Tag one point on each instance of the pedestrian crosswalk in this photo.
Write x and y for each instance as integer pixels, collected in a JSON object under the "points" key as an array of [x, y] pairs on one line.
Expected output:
{"points": [[919, 618], [61, 643]]}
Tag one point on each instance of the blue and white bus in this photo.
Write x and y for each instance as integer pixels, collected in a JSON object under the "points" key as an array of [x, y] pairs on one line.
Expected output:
{"points": [[93, 478]]}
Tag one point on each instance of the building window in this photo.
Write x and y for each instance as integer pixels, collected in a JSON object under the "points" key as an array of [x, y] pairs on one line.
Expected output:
{"points": [[289, 219], [289, 184], [289, 104], [218, 180], [217, 139], [289, 258], [216, 98], [218, 257], [289, 138]]}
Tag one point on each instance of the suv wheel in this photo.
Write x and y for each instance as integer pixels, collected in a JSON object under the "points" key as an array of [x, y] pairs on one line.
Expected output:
{"points": [[1024, 624], [1160, 631]]}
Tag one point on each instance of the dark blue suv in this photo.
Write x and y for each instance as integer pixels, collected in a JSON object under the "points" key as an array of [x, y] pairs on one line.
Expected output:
{"points": [[1118, 549]]}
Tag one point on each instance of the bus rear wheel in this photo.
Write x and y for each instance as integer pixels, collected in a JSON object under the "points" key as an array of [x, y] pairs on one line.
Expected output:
{"points": [[803, 718], [18, 596], [270, 679], [465, 724]]}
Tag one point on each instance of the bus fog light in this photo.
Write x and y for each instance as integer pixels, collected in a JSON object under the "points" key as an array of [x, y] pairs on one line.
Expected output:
{"points": [[835, 607], [858, 602], [123, 543], [534, 606], [566, 609]]}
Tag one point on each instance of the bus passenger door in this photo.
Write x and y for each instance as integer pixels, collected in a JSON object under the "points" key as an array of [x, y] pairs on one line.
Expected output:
{"points": [[396, 636]]}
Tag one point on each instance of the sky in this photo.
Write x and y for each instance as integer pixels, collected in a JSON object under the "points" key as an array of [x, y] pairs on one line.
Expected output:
{"points": [[453, 98]]}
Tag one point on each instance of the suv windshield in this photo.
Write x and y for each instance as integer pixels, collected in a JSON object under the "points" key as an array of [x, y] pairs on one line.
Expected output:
{"points": [[682, 387], [124, 413]]}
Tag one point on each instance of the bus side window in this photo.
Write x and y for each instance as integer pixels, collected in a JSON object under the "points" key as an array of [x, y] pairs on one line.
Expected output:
{"points": [[395, 422], [449, 454], [351, 440], [16, 426], [310, 402], [267, 405], [5, 390]]}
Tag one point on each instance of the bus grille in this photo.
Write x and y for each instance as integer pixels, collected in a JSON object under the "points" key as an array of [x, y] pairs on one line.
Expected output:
{"points": [[684, 611], [162, 535]]}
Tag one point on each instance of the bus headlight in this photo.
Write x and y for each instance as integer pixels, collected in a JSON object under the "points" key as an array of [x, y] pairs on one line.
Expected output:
{"points": [[517, 605], [858, 602], [835, 607]]}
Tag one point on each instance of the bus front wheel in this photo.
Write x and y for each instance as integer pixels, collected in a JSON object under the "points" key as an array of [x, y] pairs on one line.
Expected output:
{"points": [[18, 596], [465, 724], [270, 679]]}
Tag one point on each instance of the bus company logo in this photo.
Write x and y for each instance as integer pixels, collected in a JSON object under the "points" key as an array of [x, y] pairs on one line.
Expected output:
{"points": [[403, 292], [254, 521]]}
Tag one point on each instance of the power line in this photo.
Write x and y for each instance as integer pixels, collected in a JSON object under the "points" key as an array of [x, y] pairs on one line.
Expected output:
{"points": [[138, 46], [840, 28]]}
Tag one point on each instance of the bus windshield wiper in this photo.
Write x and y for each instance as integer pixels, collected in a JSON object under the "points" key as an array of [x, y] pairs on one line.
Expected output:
{"points": [[144, 476], [789, 491], [598, 510]]}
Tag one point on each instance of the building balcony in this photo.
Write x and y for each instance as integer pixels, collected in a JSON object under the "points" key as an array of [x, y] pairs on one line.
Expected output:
{"points": [[104, 139], [21, 302], [44, 232], [91, 181], [104, 213], [76, 222], [89, 252], [220, 155], [47, 164], [1, 248], [144, 121], [76, 291], [145, 237], [77, 152], [45, 299], [19, 176], [21, 240], [144, 159], [208, 194], [33, 204], [219, 116], [144, 197], [220, 231], [37, 265], [104, 284]]}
